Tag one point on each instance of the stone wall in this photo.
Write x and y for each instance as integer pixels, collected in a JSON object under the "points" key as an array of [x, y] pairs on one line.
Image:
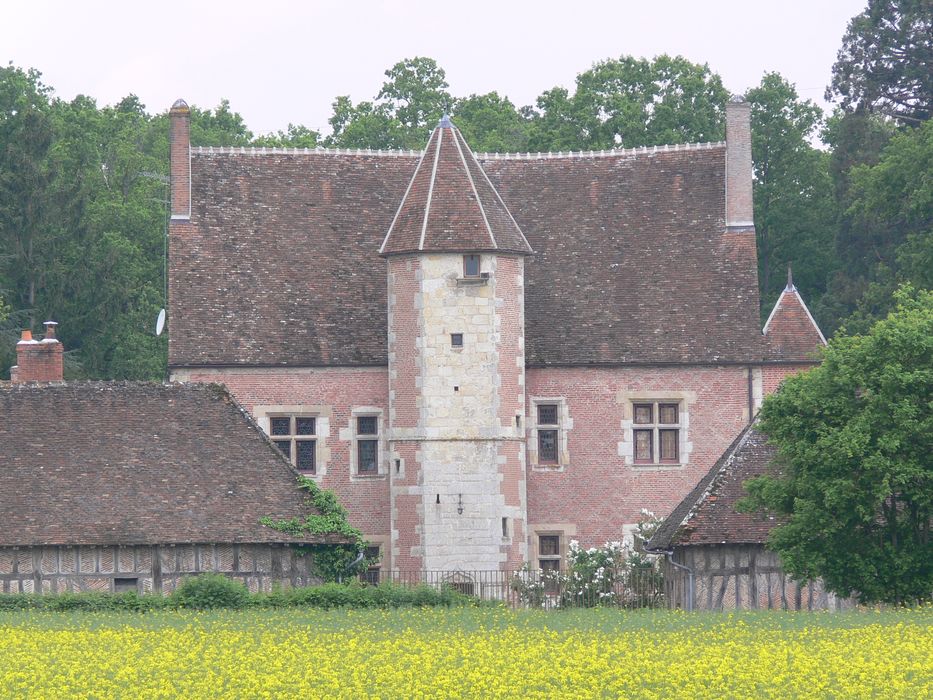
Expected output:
{"points": [[743, 577], [457, 413], [148, 568]]}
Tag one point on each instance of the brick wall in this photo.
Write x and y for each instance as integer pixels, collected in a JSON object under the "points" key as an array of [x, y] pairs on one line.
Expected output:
{"points": [[599, 489], [332, 394]]}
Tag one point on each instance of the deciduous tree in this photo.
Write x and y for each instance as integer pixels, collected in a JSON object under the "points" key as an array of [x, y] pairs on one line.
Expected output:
{"points": [[854, 476]]}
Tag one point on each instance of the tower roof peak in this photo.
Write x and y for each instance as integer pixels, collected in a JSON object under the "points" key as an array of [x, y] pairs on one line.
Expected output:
{"points": [[451, 205]]}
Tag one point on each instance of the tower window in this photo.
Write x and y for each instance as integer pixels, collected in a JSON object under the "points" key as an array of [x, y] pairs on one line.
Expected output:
{"points": [[456, 340], [471, 266]]}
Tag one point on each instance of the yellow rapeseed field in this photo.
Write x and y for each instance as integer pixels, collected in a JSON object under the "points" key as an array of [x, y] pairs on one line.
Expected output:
{"points": [[481, 653]]}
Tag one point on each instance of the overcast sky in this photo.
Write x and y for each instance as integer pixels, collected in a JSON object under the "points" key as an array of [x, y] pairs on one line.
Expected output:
{"points": [[279, 62]]}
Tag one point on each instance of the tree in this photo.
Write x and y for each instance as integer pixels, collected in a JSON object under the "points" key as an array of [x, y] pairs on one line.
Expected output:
{"points": [[628, 102], [408, 106], [794, 213], [295, 136], [491, 124], [855, 464], [885, 236], [886, 61]]}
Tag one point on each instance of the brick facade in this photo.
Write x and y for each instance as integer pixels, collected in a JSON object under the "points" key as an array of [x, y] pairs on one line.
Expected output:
{"points": [[636, 286]]}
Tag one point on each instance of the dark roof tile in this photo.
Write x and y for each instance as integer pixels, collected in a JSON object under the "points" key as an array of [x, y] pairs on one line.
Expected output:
{"points": [[135, 463]]}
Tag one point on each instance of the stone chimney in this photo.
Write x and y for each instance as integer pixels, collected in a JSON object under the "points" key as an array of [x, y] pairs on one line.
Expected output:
{"points": [[739, 213], [180, 159], [38, 361]]}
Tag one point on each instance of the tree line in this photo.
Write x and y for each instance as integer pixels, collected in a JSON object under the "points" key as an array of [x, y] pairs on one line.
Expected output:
{"points": [[83, 186]]}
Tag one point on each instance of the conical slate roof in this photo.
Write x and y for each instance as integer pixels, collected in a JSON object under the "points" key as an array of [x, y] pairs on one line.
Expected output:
{"points": [[450, 204]]}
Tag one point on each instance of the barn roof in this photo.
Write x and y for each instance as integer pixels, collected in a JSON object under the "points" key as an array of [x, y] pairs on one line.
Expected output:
{"points": [[707, 515], [137, 463], [279, 264]]}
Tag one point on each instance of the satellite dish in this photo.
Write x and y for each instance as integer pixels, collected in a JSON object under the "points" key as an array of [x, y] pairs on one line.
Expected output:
{"points": [[160, 322]]}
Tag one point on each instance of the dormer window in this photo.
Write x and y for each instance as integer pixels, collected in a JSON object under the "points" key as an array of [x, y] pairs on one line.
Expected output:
{"points": [[471, 266]]}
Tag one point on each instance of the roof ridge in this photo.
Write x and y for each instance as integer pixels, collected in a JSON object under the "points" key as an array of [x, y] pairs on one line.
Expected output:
{"points": [[605, 153], [427, 203], [319, 150], [411, 153]]}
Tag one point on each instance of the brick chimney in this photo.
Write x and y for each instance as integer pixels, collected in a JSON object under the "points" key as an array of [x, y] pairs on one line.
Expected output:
{"points": [[38, 360], [739, 212], [180, 159]]}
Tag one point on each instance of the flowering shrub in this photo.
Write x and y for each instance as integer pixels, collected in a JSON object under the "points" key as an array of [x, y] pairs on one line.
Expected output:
{"points": [[615, 574]]}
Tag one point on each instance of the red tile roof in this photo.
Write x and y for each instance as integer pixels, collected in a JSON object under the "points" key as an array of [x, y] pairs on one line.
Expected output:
{"points": [[279, 264], [791, 332], [134, 463], [707, 515]]}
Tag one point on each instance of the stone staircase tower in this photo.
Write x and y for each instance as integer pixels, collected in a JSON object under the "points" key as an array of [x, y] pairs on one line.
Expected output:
{"points": [[456, 367]]}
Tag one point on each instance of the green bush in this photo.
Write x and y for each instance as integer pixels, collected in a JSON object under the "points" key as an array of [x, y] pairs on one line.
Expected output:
{"points": [[207, 591], [217, 591]]}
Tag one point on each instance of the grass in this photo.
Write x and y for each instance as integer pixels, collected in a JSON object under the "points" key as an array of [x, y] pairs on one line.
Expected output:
{"points": [[466, 652]]}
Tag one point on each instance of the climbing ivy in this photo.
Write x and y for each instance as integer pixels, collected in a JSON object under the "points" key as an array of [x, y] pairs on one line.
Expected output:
{"points": [[332, 562]]}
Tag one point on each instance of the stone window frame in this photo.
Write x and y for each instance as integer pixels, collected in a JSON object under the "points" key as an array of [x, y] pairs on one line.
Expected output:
{"points": [[655, 426], [353, 437], [564, 425], [626, 447], [564, 531], [321, 414], [293, 437]]}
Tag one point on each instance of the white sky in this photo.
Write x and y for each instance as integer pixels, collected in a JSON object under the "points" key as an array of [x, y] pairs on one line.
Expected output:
{"points": [[279, 62]]}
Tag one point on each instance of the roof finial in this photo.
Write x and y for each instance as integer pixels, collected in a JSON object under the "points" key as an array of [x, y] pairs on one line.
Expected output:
{"points": [[445, 122], [790, 280]]}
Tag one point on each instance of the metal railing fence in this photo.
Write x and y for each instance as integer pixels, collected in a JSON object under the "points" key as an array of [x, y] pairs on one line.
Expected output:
{"points": [[522, 588]]}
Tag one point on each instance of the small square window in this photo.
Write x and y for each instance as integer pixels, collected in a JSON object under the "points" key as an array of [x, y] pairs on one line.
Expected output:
{"points": [[456, 340], [280, 425], [471, 266], [547, 414], [643, 414], [366, 425], [304, 426], [549, 545], [667, 413]]}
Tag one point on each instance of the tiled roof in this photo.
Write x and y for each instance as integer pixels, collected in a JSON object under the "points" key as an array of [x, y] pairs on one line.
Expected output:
{"points": [[791, 332], [633, 263], [450, 205], [135, 463], [707, 515]]}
